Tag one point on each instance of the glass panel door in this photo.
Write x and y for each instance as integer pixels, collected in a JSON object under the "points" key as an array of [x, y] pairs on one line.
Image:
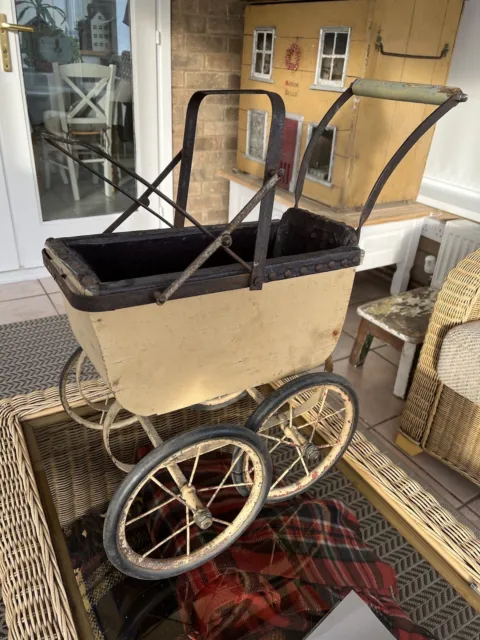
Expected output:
{"points": [[77, 74]]}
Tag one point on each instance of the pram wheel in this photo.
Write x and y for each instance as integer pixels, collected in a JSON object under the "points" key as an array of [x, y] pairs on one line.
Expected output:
{"points": [[169, 494], [289, 418]]}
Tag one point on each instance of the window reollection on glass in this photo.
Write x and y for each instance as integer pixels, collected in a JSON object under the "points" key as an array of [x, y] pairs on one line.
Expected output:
{"points": [[262, 55], [332, 57], [321, 163], [256, 134]]}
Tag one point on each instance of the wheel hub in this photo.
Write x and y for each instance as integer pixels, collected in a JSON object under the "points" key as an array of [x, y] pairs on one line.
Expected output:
{"points": [[203, 518], [311, 453]]}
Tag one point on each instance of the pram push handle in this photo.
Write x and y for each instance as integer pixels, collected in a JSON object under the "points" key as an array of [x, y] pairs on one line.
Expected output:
{"points": [[406, 91]]}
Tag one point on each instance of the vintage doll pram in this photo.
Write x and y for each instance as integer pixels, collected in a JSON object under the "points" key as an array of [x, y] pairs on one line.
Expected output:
{"points": [[172, 318]]}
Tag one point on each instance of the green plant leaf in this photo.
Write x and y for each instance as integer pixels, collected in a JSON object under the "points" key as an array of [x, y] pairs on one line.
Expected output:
{"points": [[22, 13]]}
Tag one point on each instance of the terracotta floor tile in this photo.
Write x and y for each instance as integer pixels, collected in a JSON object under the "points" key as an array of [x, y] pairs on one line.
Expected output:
{"points": [[410, 466], [57, 299], [344, 347], [18, 290], [49, 285], [461, 487], [475, 506], [389, 353], [374, 385], [26, 309], [350, 326], [473, 517]]}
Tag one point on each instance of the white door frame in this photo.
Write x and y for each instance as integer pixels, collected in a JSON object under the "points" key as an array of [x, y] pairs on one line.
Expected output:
{"points": [[151, 66]]}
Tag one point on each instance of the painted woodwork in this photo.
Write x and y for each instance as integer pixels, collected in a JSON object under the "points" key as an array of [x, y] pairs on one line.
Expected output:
{"points": [[368, 131], [159, 359]]}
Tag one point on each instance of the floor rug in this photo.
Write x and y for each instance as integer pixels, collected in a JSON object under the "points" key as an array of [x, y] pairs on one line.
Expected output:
{"points": [[31, 357]]}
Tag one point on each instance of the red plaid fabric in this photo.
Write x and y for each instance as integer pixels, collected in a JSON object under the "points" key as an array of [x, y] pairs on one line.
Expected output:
{"points": [[294, 563]]}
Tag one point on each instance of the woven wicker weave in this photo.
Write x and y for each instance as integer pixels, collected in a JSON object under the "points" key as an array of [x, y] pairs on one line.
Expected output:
{"points": [[459, 361], [35, 600], [434, 416]]}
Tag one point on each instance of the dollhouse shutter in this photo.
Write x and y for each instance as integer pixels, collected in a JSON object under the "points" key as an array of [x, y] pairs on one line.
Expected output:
{"points": [[287, 158]]}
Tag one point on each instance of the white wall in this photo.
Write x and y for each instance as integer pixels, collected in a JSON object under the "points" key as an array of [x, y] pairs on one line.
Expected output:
{"points": [[452, 175]]}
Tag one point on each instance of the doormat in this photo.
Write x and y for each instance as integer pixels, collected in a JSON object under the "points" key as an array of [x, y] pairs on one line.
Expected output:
{"points": [[32, 354], [31, 357]]}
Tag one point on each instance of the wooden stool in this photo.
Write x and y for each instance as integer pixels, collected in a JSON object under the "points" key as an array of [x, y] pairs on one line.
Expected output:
{"points": [[401, 321]]}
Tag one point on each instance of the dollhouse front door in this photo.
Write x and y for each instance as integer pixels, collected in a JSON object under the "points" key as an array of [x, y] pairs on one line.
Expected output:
{"points": [[98, 72], [289, 154]]}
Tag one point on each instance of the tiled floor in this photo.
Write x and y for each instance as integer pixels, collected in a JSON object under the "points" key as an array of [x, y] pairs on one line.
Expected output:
{"points": [[380, 410]]}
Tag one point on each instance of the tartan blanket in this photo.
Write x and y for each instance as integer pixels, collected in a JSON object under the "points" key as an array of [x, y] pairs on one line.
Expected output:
{"points": [[295, 562]]}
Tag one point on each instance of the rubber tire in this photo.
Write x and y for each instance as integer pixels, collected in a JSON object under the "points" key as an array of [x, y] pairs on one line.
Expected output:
{"points": [[152, 460], [279, 397]]}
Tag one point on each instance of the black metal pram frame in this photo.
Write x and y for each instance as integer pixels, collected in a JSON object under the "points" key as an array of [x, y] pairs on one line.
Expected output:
{"points": [[211, 277]]}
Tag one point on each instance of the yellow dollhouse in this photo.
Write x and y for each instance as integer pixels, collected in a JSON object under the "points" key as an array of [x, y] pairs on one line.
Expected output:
{"points": [[308, 52]]}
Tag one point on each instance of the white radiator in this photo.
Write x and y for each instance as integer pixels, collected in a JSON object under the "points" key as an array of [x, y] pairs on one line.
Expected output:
{"points": [[460, 238]]}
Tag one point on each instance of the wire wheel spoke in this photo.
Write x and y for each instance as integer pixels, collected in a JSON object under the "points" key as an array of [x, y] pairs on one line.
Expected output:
{"points": [[170, 537], [227, 524], [167, 490], [194, 468], [282, 441], [303, 462], [232, 466], [150, 511], [187, 518], [227, 486], [287, 470]]}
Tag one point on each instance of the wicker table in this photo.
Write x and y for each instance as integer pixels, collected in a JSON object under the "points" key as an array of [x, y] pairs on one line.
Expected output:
{"points": [[51, 474]]}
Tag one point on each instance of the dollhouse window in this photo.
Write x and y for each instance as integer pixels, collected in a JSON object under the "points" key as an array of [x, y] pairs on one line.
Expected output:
{"points": [[262, 56], [256, 134], [332, 57], [321, 162]]}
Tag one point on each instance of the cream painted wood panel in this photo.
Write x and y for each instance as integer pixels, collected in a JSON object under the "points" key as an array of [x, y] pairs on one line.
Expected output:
{"points": [[162, 358]]}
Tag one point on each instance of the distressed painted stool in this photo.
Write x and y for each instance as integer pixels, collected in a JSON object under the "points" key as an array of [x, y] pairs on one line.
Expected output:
{"points": [[401, 321]]}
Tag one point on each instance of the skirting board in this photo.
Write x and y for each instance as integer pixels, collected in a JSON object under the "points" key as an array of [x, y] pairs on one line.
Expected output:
{"points": [[452, 198]]}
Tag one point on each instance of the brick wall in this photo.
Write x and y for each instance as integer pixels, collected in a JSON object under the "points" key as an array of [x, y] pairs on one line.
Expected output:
{"points": [[206, 54]]}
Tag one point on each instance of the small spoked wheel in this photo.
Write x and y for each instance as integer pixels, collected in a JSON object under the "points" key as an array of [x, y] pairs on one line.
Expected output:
{"points": [[292, 420], [179, 506]]}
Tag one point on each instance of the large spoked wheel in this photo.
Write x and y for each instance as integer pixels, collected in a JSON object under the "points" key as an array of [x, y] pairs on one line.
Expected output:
{"points": [[183, 497], [317, 404]]}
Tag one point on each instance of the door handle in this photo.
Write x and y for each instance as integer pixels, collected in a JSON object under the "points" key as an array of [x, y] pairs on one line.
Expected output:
{"points": [[5, 27]]}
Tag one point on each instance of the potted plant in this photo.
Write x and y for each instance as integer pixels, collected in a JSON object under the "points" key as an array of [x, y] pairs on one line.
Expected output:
{"points": [[49, 43]]}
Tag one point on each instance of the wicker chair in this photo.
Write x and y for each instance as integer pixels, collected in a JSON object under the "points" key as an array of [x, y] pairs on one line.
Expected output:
{"points": [[437, 419]]}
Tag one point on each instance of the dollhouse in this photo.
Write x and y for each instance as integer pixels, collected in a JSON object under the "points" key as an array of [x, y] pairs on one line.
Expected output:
{"points": [[309, 52]]}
